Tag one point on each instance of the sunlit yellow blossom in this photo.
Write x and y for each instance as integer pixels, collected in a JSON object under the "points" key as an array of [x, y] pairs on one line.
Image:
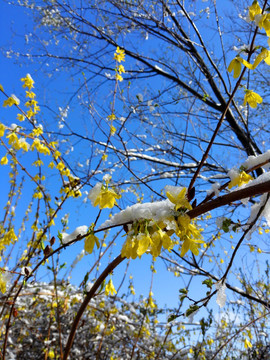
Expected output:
{"points": [[112, 130], [2, 129], [264, 55], [247, 344], [151, 303], [66, 172], [252, 98], [51, 354], [109, 288], [119, 55], [179, 199], [106, 198], [28, 82], [121, 69], [190, 244], [129, 249], [118, 77], [144, 241], [189, 234], [38, 163], [20, 117], [90, 242], [163, 237], [30, 94], [30, 113], [23, 144], [40, 147], [37, 131], [12, 100], [264, 22], [112, 117], [60, 166], [254, 10], [4, 160], [38, 195], [242, 178], [3, 283], [235, 66], [12, 138], [56, 154]]}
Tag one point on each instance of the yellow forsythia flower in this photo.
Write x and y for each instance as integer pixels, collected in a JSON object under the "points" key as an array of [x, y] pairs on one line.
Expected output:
{"points": [[4, 160], [102, 196], [4, 278], [2, 129], [112, 130], [107, 199], [179, 199], [118, 77], [112, 117], [265, 23], [30, 94], [20, 117], [51, 354], [190, 244], [109, 288], [90, 242], [254, 10], [60, 166], [247, 344], [242, 178], [235, 66], [189, 234], [144, 241], [121, 69], [150, 301], [12, 100], [252, 98], [28, 82], [119, 55]]}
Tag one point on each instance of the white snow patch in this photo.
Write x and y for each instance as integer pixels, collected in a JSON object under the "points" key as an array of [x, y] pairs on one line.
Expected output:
{"points": [[80, 230], [157, 211], [221, 295], [253, 161]]}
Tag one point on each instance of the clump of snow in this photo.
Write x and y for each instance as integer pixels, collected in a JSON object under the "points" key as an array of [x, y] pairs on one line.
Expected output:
{"points": [[253, 161], [233, 173], [221, 295], [214, 189], [173, 190], [26, 270], [94, 192], [80, 230], [106, 178], [157, 211]]}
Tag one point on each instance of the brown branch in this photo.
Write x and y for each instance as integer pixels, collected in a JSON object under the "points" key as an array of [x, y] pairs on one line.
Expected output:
{"points": [[86, 301], [231, 197]]}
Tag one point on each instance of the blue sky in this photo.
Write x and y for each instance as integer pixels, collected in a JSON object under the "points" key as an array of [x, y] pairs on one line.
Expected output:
{"points": [[55, 91]]}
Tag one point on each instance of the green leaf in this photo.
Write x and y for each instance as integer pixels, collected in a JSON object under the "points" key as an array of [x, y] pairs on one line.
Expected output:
{"points": [[60, 236], [208, 283], [63, 266], [183, 291], [191, 310], [172, 317], [42, 245]]}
